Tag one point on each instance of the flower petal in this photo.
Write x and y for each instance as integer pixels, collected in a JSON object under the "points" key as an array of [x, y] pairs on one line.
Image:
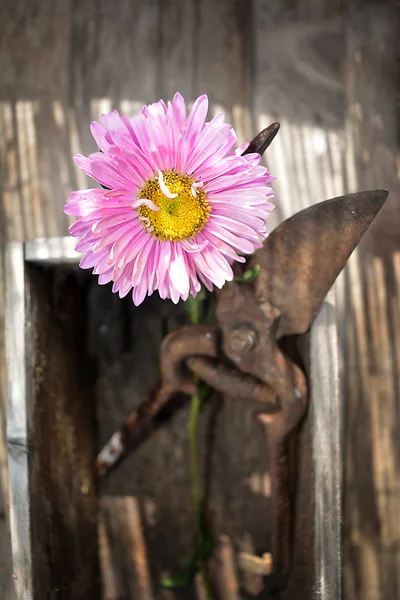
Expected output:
{"points": [[112, 235], [196, 118]]}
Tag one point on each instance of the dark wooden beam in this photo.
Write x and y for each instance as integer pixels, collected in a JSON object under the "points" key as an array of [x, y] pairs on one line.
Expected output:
{"points": [[51, 434]]}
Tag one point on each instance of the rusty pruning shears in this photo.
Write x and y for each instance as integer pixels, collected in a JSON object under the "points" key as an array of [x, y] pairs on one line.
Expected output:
{"points": [[240, 355]]}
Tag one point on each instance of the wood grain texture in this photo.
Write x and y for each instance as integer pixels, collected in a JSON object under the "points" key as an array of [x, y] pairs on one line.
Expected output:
{"points": [[327, 71], [372, 517], [5, 553], [17, 422], [61, 421], [327, 415], [298, 81], [50, 431]]}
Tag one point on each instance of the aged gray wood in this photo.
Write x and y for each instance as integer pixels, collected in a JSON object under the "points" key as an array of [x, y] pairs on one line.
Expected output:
{"points": [[372, 507], [326, 410], [63, 64], [63, 491], [50, 431], [299, 49], [17, 423]]}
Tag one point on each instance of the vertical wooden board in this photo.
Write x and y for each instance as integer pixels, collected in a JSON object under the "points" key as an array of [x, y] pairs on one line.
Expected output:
{"points": [[5, 541], [298, 80], [372, 531], [178, 32], [33, 107], [113, 63], [38, 64], [222, 66], [126, 567], [33, 111], [114, 51], [63, 488], [327, 417], [316, 569], [17, 433], [5, 551], [56, 515]]}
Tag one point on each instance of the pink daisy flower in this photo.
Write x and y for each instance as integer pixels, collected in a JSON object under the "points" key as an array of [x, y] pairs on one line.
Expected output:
{"points": [[181, 205]]}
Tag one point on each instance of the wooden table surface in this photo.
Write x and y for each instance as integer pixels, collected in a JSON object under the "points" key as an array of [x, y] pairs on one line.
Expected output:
{"points": [[327, 70]]}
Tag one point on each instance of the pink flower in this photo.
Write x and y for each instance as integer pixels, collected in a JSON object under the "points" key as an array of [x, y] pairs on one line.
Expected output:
{"points": [[181, 207]]}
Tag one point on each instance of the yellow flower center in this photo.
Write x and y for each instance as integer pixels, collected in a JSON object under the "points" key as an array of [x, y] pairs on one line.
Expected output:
{"points": [[183, 207]]}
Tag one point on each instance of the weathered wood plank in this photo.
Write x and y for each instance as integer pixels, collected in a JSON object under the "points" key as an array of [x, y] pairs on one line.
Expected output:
{"points": [[128, 560], [50, 434], [5, 552], [177, 49], [223, 60], [63, 494], [372, 517], [17, 422], [298, 81], [327, 415]]}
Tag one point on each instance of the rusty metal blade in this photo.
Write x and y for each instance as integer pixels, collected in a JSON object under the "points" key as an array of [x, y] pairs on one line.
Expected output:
{"points": [[303, 256], [261, 142]]}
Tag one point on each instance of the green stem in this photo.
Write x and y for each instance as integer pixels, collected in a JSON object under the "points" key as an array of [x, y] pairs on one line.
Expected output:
{"points": [[195, 406], [194, 455]]}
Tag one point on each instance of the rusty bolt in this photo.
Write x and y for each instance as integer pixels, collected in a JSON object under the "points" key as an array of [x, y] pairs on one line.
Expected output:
{"points": [[242, 339]]}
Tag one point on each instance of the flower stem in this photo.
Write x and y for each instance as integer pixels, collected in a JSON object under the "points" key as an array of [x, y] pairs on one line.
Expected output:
{"points": [[195, 405], [194, 455], [195, 309]]}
